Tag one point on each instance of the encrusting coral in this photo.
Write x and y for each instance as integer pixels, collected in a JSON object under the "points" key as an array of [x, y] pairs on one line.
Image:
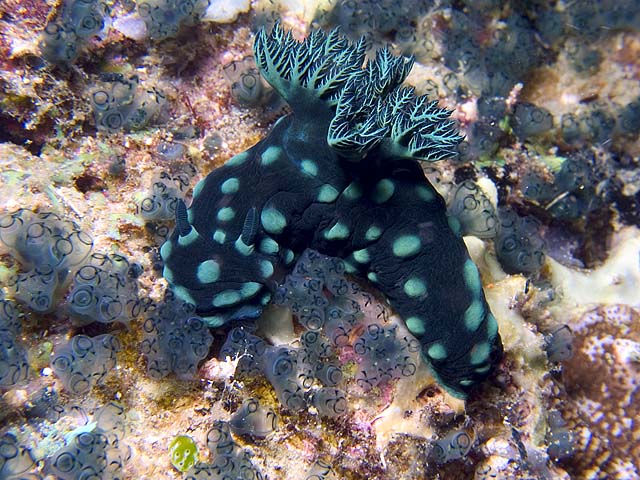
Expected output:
{"points": [[602, 387], [339, 175]]}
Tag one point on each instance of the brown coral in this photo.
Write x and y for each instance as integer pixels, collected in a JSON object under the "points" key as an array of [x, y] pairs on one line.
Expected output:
{"points": [[602, 383]]}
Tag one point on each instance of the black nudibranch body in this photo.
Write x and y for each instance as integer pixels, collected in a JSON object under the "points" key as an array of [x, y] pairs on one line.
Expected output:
{"points": [[340, 175]]}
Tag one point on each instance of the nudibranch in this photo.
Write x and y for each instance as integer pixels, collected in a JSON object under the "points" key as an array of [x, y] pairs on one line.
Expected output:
{"points": [[340, 175]]}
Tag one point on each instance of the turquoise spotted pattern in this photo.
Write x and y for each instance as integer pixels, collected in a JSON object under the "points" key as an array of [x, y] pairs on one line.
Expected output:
{"points": [[341, 176]]}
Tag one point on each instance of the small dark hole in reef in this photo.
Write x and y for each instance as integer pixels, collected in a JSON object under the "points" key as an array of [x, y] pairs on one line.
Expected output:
{"points": [[33, 61], [156, 261], [429, 392], [12, 131], [135, 270], [117, 167], [465, 172], [87, 183], [96, 328]]}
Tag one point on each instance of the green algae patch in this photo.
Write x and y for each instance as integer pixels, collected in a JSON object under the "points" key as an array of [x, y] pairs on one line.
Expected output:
{"points": [[486, 161], [5, 273], [40, 355], [65, 168], [184, 452], [554, 162]]}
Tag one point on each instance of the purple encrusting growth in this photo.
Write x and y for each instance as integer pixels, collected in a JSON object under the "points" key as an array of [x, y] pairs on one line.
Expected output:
{"points": [[85, 361], [175, 340], [308, 371], [105, 290], [340, 175]]}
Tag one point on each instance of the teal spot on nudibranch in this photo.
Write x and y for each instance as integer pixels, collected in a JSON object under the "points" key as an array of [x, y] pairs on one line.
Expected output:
{"points": [[226, 298], [416, 326], [243, 248], [474, 315], [198, 188], [338, 232], [361, 256], [219, 236], [484, 369], [406, 245], [183, 294], [270, 155], [165, 250], [472, 277], [466, 382], [249, 289], [372, 276], [425, 193], [349, 268], [480, 353], [269, 246], [383, 190], [454, 225], [273, 221], [230, 185], [373, 233], [289, 256], [327, 193], [414, 287], [309, 167], [190, 216], [437, 351], [266, 298], [238, 159], [353, 191], [167, 273], [208, 271], [226, 214], [266, 268], [188, 239], [214, 321]]}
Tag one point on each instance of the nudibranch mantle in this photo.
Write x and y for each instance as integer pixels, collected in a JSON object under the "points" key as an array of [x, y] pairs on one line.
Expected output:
{"points": [[339, 175]]}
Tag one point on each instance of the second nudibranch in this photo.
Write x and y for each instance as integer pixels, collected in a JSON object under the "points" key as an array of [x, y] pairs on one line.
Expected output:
{"points": [[339, 175]]}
